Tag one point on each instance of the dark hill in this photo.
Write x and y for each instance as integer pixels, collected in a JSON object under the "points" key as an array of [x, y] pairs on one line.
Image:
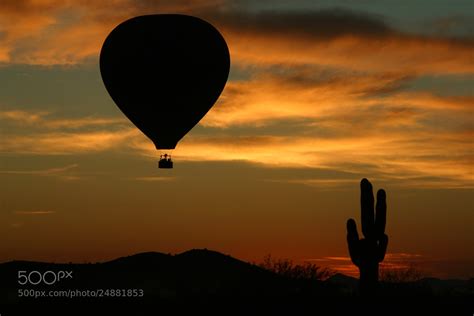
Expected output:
{"points": [[194, 273], [207, 279]]}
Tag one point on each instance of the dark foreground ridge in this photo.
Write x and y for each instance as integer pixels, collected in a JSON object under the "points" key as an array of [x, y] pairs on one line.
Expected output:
{"points": [[209, 280]]}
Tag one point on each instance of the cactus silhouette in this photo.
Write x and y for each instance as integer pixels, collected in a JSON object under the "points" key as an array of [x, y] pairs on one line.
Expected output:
{"points": [[368, 252]]}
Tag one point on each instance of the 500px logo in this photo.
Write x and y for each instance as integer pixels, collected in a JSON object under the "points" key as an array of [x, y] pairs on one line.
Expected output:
{"points": [[47, 277]]}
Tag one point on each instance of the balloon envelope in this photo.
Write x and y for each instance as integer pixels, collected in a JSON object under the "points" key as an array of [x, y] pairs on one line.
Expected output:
{"points": [[164, 72]]}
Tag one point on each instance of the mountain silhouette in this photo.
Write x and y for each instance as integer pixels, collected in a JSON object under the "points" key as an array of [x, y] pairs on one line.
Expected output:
{"points": [[203, 279]]}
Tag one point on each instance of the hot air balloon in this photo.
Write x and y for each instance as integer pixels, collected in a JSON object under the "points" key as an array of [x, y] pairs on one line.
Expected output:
{"points": [[165, 72]]}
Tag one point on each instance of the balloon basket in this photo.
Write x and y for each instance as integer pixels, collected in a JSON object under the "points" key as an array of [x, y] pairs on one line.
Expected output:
{"points": [[165, 163]]}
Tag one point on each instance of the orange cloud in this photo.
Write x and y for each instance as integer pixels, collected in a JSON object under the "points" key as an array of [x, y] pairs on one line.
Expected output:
{"points": [[50, 32], [46, 135], [43, 119], [22, 21], [65, 143], [45, 172], [264, 99], [386, 157], [67, 32], [386, 148], [402, 54], [34, 212], [22, 116], [340, 39], [392, 261], [83, 122], [154, 179]]}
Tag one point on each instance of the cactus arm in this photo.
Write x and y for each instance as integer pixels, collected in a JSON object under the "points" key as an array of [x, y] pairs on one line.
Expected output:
{"points": [[353, 242], [382, 248], [380, 214], [367, 208]]}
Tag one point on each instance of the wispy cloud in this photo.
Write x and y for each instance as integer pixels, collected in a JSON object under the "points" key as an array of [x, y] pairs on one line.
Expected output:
{"points": [[70, 32], [45, 172], [405, 158], [328, 184], [341, 39], [338, 99], [155, 179], [427, 266], [43, 119], [48, 32], [392, 261], [83, 122], [413, 143], [24, 117], [339, 75], [48, 135], [34, 212], [64, 143], [67, 173]]}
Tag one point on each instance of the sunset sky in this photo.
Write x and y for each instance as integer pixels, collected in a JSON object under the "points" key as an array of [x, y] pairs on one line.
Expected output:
{"points": [[321, 94]]}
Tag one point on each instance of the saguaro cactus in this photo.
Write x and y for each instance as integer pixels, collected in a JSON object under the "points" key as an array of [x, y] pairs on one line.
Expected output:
{"points": [[368, 252]]}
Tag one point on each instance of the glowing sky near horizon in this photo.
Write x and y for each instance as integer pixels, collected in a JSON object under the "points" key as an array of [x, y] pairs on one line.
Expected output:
{"points": [[320, 95]]}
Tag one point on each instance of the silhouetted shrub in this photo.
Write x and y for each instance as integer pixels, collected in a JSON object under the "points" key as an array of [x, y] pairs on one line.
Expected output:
{"points": [[400, 275], [286, 268]]}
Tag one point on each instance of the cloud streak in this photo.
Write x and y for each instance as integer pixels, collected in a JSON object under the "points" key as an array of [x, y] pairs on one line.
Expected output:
{"points": [[34, 212], [62, 143], [392, 261], [72, 32], [58, 32], [46, 135], [339, 98], [383, 157], [336, 77], [43, 119], [155, 179], [403, 146], [23, 117], [341, 39], [66, 173], [38, 132], [45, 172]]}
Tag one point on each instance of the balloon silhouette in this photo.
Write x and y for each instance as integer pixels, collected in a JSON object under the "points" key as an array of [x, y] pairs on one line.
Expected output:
{"points": [[164, 72]]}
